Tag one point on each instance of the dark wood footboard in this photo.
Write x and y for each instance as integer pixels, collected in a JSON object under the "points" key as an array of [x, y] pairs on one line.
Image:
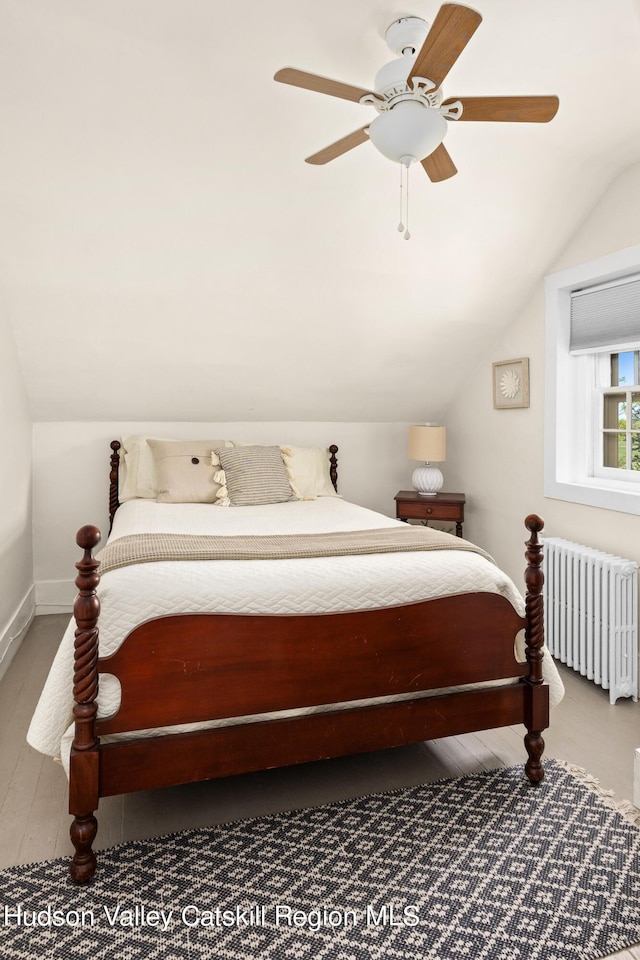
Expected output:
{"points": [[228, 665], [203, 667]]}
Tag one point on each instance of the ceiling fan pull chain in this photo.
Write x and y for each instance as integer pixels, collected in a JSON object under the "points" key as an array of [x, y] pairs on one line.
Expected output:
{"points": [[401, 224], [407, 235]]}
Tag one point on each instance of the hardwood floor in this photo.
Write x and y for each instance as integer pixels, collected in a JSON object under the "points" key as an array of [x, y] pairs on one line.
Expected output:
{"points": [[34, 823]]}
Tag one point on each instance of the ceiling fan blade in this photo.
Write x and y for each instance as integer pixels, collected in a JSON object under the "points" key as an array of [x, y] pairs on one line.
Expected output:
{"points": [[450, 32], [512, 109], [340, 146], [311, 81], [439, 165]]}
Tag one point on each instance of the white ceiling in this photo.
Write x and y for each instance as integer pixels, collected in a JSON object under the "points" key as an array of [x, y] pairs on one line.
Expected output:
{"points": [[165, 252]]}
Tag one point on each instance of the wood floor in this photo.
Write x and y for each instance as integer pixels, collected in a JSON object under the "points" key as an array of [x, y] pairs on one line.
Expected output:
{"points": [[34, 823]]}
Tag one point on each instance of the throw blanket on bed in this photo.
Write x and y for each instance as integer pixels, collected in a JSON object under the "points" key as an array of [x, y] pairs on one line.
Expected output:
{"points": [[154, 547]]}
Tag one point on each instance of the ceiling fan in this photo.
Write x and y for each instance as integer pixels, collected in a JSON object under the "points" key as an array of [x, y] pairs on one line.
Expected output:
{"points": [[413, 115]]}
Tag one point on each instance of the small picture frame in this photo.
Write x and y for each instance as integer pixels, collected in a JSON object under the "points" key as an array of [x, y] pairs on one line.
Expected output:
{"points": [[511, 383]]}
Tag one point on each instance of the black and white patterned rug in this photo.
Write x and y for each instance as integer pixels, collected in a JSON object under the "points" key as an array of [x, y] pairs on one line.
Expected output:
{"points": [[484, 867]]}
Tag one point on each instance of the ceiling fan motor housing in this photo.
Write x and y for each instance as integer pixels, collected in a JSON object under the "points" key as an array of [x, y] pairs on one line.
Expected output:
{"points": [[390, 86], [405, 37]]}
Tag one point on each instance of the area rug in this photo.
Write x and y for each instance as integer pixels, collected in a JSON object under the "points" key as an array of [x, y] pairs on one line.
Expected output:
{"points": [[484, 867]]}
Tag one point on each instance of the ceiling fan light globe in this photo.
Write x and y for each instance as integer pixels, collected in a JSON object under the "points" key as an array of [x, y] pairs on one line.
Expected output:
{"points": [[409, 129]]}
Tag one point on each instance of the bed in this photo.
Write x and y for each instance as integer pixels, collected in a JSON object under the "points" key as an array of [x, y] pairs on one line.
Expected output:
{"points": [[295, 657]]}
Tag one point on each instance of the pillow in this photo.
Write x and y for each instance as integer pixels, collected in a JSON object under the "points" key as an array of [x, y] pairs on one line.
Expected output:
{"points": [[137, 473], [184, 472], [308, 469], [255, 475]]}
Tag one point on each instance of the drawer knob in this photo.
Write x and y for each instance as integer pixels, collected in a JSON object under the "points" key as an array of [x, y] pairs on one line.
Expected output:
{"points": [[429, 509]]}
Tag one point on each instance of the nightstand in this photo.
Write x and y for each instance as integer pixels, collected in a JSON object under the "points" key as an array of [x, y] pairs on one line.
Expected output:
{"points": [[442, 506]]}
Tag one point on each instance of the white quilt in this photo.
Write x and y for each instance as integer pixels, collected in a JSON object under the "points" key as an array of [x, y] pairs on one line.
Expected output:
{"points": [[131, 595]]}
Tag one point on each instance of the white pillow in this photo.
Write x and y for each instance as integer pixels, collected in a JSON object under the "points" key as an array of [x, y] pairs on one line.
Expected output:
{"points": [[309, 471], [139, 476]]}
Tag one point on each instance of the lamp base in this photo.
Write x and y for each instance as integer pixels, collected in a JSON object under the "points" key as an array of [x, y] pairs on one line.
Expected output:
{"points": [[427, 480]]}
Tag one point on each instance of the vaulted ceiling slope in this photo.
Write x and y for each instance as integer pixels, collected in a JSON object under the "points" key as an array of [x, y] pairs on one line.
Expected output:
{"points": [[167, 254]]}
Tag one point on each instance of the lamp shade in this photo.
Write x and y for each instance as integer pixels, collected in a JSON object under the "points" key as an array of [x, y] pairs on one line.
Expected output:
{"points": [[427, 443]]}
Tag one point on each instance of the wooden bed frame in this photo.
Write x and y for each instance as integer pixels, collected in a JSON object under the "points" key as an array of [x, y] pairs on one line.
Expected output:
{"points": [[198, 667]]}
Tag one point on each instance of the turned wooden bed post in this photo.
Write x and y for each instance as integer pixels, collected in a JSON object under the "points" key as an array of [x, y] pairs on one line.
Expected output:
{"points": [[333, 469], [84, 760], [114, 501], [538, 701]]}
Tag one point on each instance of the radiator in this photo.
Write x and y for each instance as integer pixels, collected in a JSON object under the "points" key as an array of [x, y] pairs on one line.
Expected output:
{"points": [[591, 614]]}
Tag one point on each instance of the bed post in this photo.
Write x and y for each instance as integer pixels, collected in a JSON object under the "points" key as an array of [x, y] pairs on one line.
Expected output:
{"points": [[333, 469], [84, 760], [537, 711], [114, 501]]}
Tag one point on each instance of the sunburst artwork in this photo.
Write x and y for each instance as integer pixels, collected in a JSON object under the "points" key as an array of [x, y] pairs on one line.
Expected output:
{"points": [[511, 383]]}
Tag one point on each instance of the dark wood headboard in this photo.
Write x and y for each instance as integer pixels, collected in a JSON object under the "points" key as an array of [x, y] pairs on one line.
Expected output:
{"points": [[114, 501]]}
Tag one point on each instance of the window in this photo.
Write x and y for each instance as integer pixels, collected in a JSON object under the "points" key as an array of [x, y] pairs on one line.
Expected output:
{"points": [[592, 383]]}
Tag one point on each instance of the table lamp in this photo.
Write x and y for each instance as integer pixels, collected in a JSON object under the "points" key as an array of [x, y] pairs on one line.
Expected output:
{"points": [[427, 443]]}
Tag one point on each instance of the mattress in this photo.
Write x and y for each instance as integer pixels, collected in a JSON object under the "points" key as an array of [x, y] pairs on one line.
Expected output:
{"points": [[133, 594]]}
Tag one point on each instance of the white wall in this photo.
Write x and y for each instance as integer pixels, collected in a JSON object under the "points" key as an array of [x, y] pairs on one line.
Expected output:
{"points": [[16, 580], [496, 456], [71, 469]]}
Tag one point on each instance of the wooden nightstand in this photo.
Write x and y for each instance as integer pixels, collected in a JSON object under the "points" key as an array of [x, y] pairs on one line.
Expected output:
{"points": [[442, 506]]}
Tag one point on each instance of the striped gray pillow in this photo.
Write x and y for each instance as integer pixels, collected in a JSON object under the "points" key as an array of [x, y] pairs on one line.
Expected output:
{"points": [[255, 475]]}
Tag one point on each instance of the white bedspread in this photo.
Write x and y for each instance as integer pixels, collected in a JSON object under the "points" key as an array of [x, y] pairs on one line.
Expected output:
{"points": [[132, 595]]}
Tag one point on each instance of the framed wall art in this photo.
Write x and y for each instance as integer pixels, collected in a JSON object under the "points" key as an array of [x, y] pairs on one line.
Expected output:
{"points": [[511, 383]]}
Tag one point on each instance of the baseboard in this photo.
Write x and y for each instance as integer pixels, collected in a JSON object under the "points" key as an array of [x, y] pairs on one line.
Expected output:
{"points": [[55, 596], [636, 779], [17, 627]]}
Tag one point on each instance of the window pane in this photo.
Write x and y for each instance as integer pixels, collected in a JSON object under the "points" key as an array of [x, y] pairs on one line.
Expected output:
{"points": [[615, 450], [635, 411], [622, 369], [635, 451], [615, 411]]}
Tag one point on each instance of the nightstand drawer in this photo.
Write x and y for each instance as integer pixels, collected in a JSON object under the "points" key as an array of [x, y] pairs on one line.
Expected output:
{"points": [[431, 511], [443, 506]]}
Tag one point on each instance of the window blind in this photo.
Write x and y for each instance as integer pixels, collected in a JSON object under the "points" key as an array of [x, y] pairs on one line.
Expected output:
{"points": [[605, 315]]}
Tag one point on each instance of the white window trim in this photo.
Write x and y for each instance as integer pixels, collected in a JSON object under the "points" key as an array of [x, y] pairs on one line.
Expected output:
{"points": [[567, 450]]}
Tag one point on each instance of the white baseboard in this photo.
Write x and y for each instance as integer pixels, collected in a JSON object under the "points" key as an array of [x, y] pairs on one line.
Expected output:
{"points": [[55, 596], [12, 636]]}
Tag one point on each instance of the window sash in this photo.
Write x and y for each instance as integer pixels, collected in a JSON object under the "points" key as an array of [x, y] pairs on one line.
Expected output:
{"points": [[608, 434]]}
